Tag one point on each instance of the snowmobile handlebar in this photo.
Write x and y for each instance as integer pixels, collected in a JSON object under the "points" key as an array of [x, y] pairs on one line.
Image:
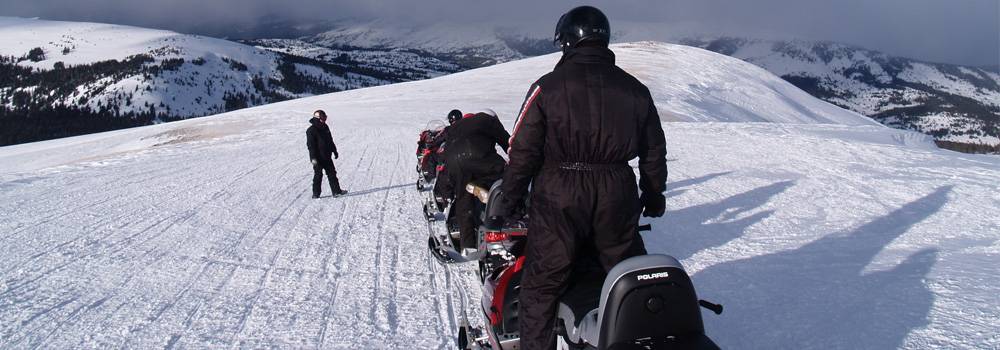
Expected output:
{"points": [[716, 308], [646, 227]]}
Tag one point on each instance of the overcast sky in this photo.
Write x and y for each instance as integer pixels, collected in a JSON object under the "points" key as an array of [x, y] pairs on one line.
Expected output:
{"points": [[952, 31]]}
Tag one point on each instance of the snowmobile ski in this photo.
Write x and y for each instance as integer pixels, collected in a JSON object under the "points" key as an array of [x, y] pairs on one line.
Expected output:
{"points": [[446, 254]]}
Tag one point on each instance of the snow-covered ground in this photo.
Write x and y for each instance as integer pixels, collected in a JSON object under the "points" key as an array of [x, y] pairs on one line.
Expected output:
{"points": [[816, 228]]}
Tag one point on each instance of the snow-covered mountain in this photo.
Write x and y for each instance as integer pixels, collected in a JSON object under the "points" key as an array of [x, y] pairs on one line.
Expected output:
{"points": [[445, 46], [398, 65], [151, 75], [58, 74], [815, 228], [952, 103], [476, 44]]}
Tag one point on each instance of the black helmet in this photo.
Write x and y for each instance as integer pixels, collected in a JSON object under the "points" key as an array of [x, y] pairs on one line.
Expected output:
{"points": [[454, 116], [584, 23]]}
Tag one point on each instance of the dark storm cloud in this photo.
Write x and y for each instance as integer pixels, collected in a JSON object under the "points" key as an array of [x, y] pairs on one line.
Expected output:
{"points": [[954, 31]]}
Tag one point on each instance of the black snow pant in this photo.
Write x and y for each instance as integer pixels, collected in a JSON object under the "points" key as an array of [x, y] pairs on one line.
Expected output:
{"points": [[597, 209], [481, 172], [331, 174], [465, 215]]}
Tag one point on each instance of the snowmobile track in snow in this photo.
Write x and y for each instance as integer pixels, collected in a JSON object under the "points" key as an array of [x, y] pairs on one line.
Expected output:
{"points": [[334, 238], [454, 285]]}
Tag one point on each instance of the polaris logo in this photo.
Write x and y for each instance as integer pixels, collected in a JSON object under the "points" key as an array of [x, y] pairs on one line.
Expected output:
{"points": [[652, 276]]}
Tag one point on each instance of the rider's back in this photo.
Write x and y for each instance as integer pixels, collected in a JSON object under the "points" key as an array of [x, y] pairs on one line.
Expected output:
{"points": [[594, 111], [476, 137]]}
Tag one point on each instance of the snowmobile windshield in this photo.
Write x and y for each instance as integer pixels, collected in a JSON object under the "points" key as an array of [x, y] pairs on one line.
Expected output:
{"points": [[436, 125]]}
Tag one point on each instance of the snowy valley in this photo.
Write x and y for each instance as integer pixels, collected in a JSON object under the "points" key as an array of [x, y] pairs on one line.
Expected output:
{"points": [[816, 227]]}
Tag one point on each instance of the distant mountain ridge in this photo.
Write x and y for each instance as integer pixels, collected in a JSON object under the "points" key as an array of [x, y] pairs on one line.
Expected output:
{"points": [[61, 79], [950, 102]]}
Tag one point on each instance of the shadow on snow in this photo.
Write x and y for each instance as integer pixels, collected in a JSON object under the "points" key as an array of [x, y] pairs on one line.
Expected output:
{"points": [[817, 296], [378, 189], [684, 232], [677, 188]]}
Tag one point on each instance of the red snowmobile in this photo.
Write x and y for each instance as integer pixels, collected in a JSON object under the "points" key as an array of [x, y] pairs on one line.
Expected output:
{"points": [[644, 302], [428, 146], [430, 167]]}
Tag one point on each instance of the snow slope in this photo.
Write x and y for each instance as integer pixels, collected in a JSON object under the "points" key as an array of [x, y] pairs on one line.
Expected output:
{"points": [[816, 230], [953, 103], [94, 42], [689, 84], [186, 76]]}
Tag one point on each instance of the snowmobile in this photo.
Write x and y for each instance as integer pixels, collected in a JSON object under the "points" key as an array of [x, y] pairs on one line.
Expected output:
{"points": [[428, 157], [434, 205], [430, 163], [444, 245], [644, 302]]}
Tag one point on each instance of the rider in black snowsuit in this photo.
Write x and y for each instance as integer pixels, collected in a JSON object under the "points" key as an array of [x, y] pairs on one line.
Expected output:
{"points": [[577, 130], [442, 187], [321, 147], [471, 156]]}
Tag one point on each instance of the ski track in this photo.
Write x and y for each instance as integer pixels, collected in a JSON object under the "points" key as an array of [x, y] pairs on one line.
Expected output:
{"points": [[243, 260], [333, 238]]}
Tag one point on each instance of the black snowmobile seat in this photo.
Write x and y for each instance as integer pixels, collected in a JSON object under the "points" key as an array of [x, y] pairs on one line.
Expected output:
{"points": [[649, 300], [493, 205], [582, 297], [578, 306], [496, 195], [694, 342]]}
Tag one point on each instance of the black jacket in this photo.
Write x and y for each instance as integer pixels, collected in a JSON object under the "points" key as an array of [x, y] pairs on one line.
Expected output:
{"points": [[320, 142], [475, 139], [470, 153], [586, 111]]}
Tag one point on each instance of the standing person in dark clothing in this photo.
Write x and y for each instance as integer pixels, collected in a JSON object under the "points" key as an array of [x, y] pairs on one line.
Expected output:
{"points": [[471, 156], [578, 128], [321, 147]]}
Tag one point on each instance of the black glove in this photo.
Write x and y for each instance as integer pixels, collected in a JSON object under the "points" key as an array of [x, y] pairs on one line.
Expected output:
{"points": [[336, 156], [654, 204]]}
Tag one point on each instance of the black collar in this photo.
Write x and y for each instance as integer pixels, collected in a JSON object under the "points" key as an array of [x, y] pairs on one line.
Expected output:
{"points": [[588, 55]]}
